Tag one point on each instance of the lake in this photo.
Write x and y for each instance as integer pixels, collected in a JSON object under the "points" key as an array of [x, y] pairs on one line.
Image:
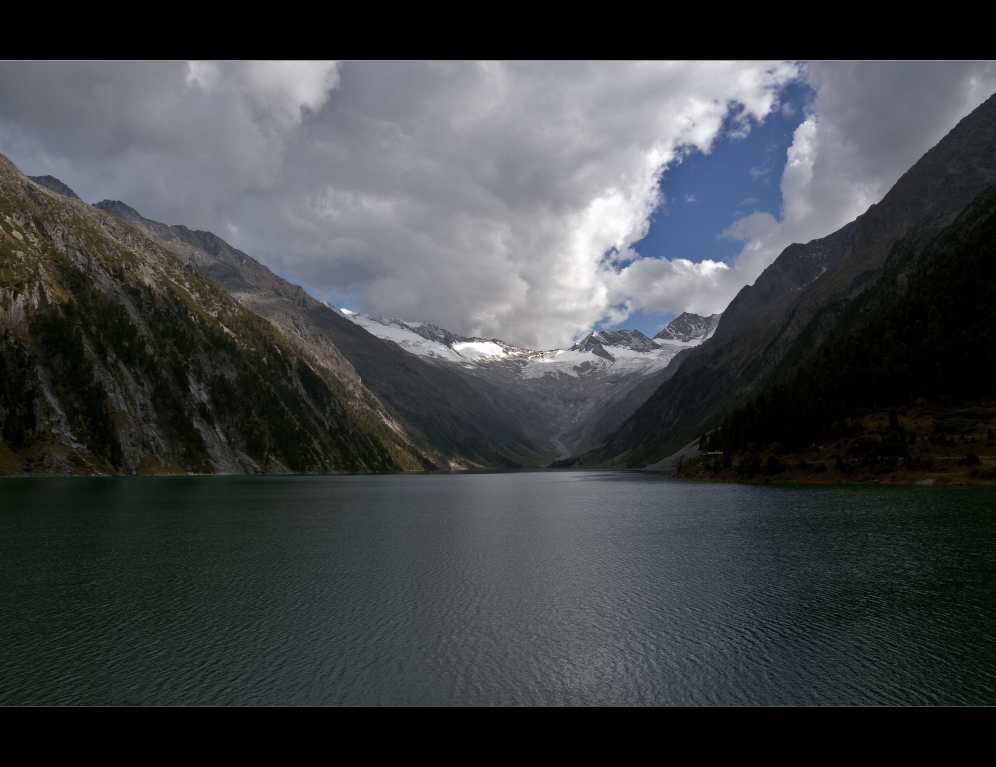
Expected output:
{"points": [[505, 588]]}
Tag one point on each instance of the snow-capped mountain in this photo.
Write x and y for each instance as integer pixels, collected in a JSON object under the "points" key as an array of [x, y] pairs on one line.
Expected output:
{"points": [[619, 351], [569, 398]]}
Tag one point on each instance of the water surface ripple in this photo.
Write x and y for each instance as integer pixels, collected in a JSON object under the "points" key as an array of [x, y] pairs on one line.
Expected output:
{"points": [[493, 588]]}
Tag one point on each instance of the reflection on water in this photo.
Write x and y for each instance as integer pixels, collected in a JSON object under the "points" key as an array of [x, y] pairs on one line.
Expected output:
{"points": [[501, 588]]}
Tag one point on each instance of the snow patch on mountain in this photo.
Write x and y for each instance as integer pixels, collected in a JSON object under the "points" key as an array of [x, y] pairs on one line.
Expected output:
{"points": [[479, 350], [619, 352]]}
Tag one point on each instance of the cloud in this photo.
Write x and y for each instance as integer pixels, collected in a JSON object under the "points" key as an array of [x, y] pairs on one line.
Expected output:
{"points": [[280, 91], [495, 199], [180, 141], [203, 74], [869, 123], [283, 91], [650, 283]]}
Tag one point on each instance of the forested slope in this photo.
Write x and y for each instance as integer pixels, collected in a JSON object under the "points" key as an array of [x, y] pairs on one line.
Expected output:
{"points": [[902, 391], [924, 334]]}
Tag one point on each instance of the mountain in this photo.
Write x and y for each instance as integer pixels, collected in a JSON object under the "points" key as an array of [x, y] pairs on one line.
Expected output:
{"points": [[566, 400], [116, 357], [902, 388], [453, 423], [54, 185], [689, 327], [774, 326]]}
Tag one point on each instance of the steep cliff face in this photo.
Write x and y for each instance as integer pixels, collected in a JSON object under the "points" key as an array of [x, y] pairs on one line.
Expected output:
{"points": [[774, 326], [449, 418], [116, 357]]}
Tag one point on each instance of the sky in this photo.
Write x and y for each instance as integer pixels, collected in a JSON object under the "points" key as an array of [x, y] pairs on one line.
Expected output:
{"points": [[526, 201], [703, 194]]}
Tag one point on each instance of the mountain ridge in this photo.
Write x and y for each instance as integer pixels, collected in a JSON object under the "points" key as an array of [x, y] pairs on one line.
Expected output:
{"points": [[116, 357], [902, 391], [440, 409], [772, 326]]}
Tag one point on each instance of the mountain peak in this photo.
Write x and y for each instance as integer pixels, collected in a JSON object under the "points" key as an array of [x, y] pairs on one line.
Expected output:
{"points": [[119, 210], [625, 339], [689, 327], [54, 185]]}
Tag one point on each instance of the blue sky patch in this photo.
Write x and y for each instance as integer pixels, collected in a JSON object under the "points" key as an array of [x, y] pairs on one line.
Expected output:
{"points": [[706, 193]]}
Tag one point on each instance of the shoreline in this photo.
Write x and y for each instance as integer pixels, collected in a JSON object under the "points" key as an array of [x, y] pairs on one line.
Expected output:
{"points": [[919, 445]]}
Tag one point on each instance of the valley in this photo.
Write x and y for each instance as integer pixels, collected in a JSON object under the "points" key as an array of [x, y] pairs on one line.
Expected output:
{"points": [[497, 383], [568, 398]]}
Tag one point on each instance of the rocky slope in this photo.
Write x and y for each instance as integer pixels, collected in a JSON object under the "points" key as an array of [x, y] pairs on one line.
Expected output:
{"points": [[116, 357], [449, 419], [775, 325], [689, 327], [567, 400]]}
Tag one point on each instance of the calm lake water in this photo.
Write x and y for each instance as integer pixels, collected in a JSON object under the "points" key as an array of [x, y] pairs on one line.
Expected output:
{"points": [[503, 588]]}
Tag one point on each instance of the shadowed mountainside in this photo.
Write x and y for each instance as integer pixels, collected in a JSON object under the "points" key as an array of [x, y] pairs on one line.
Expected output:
{"points": [[902, 390], [775, 325]]}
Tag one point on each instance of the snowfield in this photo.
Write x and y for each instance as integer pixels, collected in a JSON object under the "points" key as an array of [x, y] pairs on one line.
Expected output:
{"points": [[479, 350], [582, 359]]}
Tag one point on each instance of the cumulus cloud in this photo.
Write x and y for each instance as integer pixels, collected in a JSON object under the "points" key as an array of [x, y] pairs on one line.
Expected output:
{"points": [[498, 199], [494, 199], [649, 283]]}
